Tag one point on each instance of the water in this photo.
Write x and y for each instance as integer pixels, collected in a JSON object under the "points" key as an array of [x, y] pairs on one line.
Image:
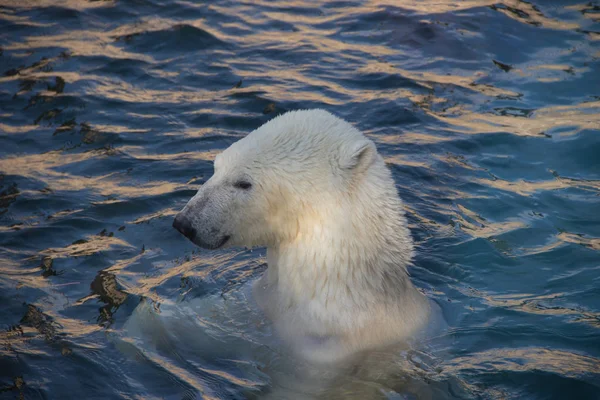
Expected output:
{"points": [[488, 114]]}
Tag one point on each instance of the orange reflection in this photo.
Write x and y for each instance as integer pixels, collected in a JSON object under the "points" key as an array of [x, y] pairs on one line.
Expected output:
{"points": [[569, 119], [86, 247], [561, 239], [560, 362], [43, 168], [476, 226], [525, 188]]}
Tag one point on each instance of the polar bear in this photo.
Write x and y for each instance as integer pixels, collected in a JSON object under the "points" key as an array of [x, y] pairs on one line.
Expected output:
{"points": [[314, 191]]}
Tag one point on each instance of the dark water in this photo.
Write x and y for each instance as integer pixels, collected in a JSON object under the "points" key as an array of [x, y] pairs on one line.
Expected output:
{"points": [[111, 112]]}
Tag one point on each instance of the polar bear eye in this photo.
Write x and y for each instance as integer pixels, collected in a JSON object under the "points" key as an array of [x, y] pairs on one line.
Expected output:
{"points": [[242, 185]]}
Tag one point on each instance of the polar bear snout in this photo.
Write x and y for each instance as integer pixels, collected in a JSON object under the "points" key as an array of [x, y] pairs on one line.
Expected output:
{"points": [[208, 238], [184, 226]]}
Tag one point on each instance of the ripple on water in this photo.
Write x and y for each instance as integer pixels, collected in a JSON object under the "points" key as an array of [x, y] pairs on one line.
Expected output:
{"points": [[111, 114]]}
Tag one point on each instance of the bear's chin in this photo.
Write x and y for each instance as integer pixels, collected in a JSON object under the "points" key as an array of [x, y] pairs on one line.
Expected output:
{"points": [[213, 245]]}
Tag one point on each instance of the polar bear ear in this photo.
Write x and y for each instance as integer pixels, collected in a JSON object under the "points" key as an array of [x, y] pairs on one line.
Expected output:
{"points": [[359, 156]]}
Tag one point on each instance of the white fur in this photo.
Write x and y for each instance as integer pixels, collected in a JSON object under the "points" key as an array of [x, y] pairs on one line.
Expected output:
{"points": [[324, 204]]}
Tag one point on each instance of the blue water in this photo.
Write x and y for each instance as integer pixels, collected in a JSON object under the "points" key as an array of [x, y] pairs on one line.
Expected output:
{"points": [[488, 114]]}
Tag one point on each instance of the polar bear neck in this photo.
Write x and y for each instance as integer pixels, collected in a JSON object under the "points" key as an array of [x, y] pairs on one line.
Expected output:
{"points": [[352, 256]]}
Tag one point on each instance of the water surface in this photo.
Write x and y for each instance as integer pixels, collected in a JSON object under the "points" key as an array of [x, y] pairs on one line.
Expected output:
{"points": [[111, 112]]}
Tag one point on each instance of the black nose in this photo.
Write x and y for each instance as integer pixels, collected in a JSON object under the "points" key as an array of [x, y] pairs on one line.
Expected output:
{"points": [[184, 226]]}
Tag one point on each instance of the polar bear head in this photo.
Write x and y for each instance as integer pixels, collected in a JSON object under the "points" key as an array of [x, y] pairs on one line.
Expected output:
{"points": [[301, 173]]}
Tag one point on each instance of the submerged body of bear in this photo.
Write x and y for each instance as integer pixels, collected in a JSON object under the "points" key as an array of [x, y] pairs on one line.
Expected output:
{"points": [[314, 191]]}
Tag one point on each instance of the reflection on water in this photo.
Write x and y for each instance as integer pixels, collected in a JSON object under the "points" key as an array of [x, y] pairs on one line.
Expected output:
{"points": [[487, 113]]}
